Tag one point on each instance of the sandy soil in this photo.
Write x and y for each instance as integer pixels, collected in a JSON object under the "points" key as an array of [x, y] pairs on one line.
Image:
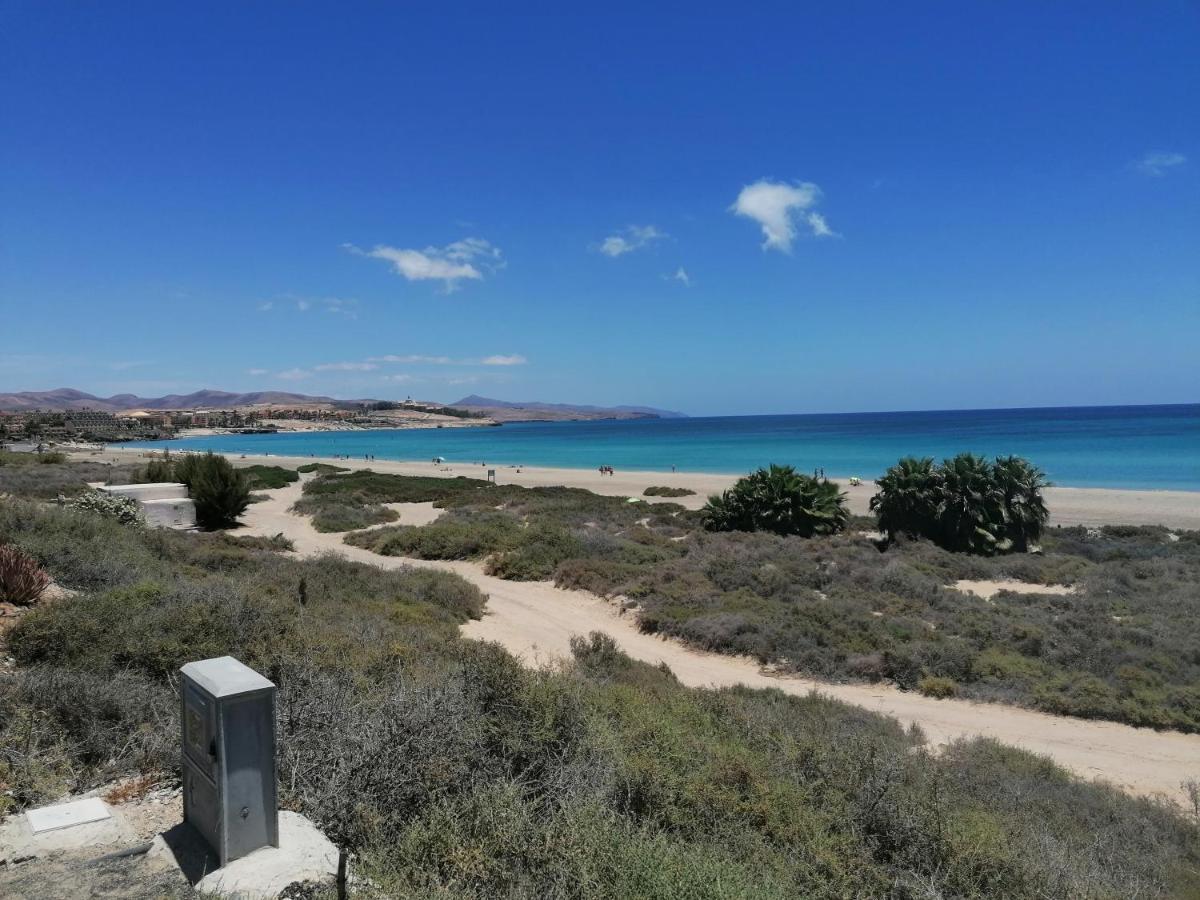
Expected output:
{"points": [[989, 589], [1068, 506], [535, 620]]}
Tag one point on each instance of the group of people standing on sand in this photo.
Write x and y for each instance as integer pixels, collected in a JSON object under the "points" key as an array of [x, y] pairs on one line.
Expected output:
{"points": [[607, 470]]}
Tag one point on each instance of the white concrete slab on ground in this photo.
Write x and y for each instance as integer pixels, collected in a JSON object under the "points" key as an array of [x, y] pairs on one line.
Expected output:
{"points": [[64, 815], [303, 854], [18, 840]]}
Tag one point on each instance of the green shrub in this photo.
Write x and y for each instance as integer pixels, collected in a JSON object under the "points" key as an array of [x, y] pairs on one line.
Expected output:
{"points": [[333, 516], [221, 493], [965, 504], [158, 471], [936, 686], [320, 468], [265, 478], [780, 500], [660, 491]]}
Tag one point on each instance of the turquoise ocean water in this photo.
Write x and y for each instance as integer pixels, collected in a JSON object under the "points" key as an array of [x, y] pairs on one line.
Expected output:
{"points": [[1155, 447]]}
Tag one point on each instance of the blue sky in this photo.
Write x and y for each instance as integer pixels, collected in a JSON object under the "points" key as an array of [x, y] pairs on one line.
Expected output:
{"points": [[744, 208]]}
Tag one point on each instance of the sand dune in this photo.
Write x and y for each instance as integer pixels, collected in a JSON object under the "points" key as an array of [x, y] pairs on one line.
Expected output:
{"points": [[535, 621]]}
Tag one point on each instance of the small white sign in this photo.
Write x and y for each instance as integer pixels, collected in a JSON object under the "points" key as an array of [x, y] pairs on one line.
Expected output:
{"points": [[67, 815]]}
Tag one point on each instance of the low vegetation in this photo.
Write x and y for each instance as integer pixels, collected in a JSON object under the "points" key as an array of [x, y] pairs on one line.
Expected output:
{"points": [[1121, 646], [319, 468], [661, 491], [115, 506], [27, 475], [265, 478], [964, 504], [453, 771], [45, 458], [780, 500], [347, 502], [529, 534]]}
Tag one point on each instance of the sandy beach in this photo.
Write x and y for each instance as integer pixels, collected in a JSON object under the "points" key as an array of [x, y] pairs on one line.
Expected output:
{"points": [[1068, 506]]}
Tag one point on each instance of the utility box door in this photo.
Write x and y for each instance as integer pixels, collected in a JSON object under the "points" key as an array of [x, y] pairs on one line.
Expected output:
{"points": [[249, 790]]}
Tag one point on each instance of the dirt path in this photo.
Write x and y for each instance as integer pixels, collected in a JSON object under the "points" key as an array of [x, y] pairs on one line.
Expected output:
{"points": [[535, 621]]}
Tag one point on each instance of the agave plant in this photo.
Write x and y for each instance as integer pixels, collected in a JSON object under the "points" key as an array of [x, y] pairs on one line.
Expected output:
{"points": [[780, 500], [909, 498], [22, 580]]}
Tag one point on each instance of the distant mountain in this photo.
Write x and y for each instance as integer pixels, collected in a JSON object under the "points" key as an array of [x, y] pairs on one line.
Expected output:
{"points": [[514, 411], [69, 398]]}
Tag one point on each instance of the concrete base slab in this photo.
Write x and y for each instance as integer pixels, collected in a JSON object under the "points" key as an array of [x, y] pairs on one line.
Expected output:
{"points": [[18, 840], [303, 854], [66, 815]]}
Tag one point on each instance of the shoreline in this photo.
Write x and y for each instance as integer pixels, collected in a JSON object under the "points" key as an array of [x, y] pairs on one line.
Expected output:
{"points": [[1068, 505]]}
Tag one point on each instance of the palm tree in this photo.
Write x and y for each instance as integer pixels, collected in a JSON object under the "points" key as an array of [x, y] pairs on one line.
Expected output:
{"points": [[972, 514], [780, 500], [1020, 483], [909, 498]]}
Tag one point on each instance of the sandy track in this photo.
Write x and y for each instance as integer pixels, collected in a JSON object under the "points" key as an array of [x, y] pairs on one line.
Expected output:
{"points": [[535, 621]]}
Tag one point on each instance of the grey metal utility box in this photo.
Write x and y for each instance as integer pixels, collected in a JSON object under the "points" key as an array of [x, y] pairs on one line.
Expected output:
{"points": [[229, 791]]}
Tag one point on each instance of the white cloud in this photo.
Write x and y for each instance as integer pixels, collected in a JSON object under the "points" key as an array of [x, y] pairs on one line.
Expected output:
{"points": [[266, 306], [399, 379], [515, 359], [464, 260], [256, 371], [303, 305], [292, 374], [628, 239], [1159, 163], [782, 209], [681, 276], [346, 367]]}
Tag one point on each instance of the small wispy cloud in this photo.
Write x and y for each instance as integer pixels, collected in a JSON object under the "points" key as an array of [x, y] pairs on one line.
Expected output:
{"points": [[346, 367], [337, 305], [293, 374], [412, 359], [628, 239], [125, 366], [257, 371], [783, 211], [465, 260], [681, 276], [1158, 163], [515, 359]]}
